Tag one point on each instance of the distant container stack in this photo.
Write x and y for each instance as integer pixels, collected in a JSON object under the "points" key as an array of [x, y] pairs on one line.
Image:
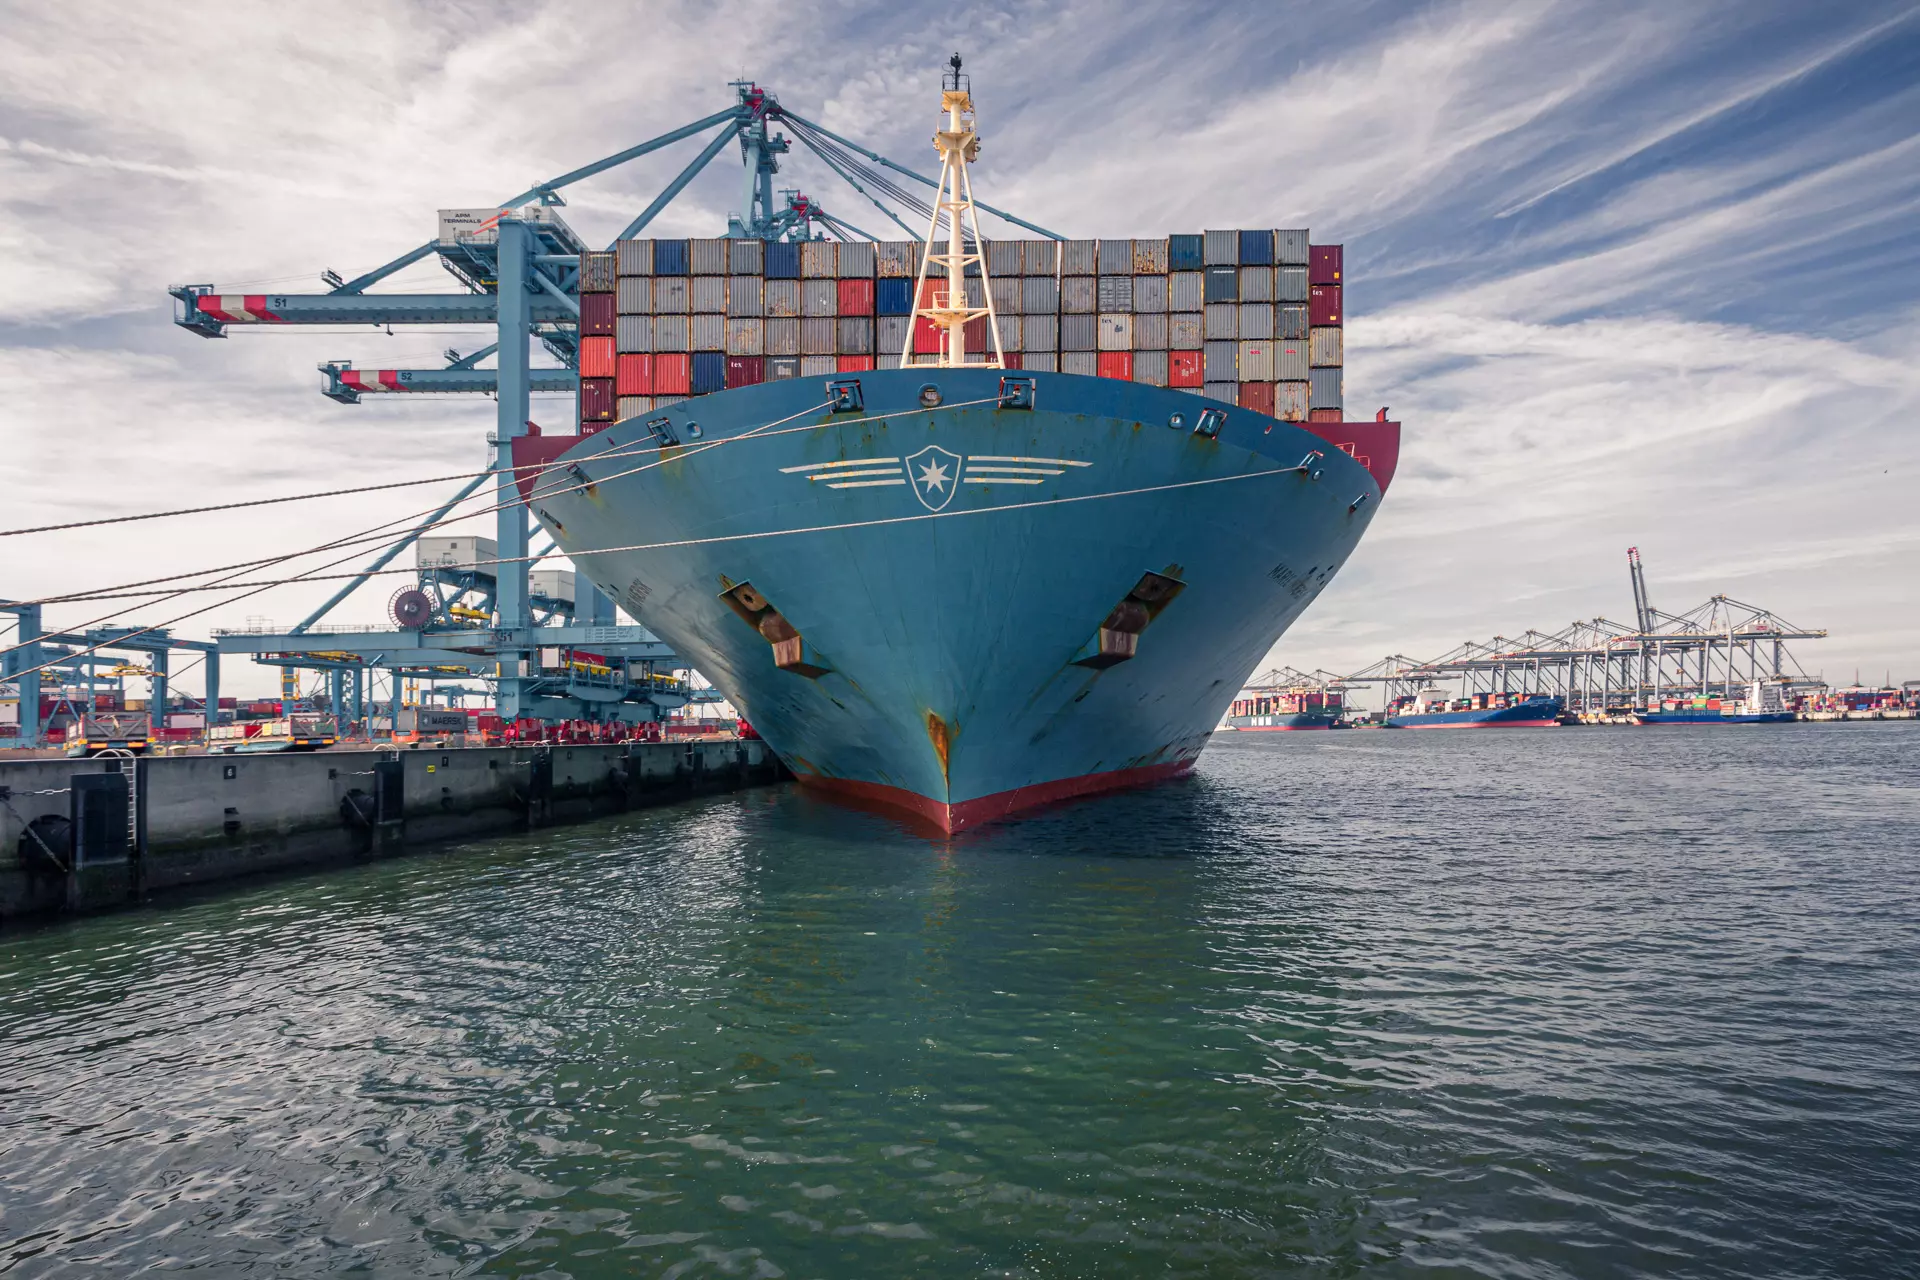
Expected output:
{"points": [[1251, 318]]}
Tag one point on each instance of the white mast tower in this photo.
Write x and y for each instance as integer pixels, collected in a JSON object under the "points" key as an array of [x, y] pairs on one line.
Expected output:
{"points": [[947, 308]]}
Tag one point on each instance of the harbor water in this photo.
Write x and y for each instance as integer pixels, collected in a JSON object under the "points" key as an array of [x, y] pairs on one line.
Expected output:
{"points": [[1606, 1002]]}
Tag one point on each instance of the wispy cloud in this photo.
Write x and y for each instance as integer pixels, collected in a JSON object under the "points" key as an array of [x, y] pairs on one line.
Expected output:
{"points": [[1629, 274]]}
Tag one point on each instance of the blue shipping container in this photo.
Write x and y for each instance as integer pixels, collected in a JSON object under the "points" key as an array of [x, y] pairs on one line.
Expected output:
{"points": [[670, 257], [709, 372], [1256, 248], [783, 260], [1186, 253], [893, 297], [1223, 284]]}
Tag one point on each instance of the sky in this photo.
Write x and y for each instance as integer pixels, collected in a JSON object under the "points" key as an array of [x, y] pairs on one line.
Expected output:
{"points": [[1630, 274]]}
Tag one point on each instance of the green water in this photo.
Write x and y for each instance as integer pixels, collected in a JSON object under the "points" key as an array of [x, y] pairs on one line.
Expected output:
{"points": [[1534, 1003]]}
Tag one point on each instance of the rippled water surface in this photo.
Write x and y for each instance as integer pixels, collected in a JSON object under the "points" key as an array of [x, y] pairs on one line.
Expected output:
{"points": [[1528, 1003]]}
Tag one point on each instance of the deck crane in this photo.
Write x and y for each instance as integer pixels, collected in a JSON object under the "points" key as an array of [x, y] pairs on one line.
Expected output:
{"points": [[520, 279]]}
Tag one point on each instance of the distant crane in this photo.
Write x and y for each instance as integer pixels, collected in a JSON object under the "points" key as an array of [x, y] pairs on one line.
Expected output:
{"points": [[1642, 604]]}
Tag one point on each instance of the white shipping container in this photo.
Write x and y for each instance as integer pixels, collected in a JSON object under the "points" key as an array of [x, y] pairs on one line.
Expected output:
{"points": [[1116, 331], [1009, 326], [1290, 360], [1150, 334], [1041, 258], [783, 334], [1084, 363], [707, 257], [1040, 333], [708, 294], [1221, 248], [1003, 259], [819, 298], [746, 336], [1006, 293], [1116, 257], [175, 719], [1221, 362], [709, 331], [1079, 295], [1150, 367], [463, 552], [818, 366], [1324, 346], [1223, 321], [818, 261], [635, 258], [1079, 333], [783, 297], [1186, 330], [1040, 296], [891, 334], [856, 260], [745, 296], [672, 333], [633, 333], [1256, 361], [671, 295], [1256, 285], [1224, 392], [632, 407], [1080, 258], [1290, 401], [1149, 294], [817, 336], [1040, 361], [746, 256], [1116, 293], [1290, 248], [635, 295], [1256, 321], [1186, 290]]}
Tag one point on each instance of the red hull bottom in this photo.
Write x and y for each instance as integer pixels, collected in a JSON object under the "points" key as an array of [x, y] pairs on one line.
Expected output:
{"points": [[1487, 724], [950, 818], [1285, 728]]}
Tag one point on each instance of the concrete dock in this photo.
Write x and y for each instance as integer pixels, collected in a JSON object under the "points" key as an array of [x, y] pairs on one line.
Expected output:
{"points": [[199, 819]]}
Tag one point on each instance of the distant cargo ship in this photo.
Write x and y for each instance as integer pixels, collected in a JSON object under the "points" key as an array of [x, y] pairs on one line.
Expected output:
{"points": [[1436, 709], [1268, 710], [1011, 544], [1764, 704]]}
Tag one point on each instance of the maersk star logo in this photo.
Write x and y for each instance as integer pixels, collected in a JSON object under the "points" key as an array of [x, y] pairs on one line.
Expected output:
{"points": [[935, 474]]}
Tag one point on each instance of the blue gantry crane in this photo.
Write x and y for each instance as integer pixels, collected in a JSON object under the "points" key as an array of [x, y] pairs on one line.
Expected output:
{"points": [[518, 264]]}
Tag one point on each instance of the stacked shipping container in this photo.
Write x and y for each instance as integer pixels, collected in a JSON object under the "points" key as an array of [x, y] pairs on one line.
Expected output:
{"points": [[1253, 318]]}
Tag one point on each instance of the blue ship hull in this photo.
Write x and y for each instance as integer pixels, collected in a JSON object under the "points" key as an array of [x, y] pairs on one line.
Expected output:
{"points": [[908, 604], [1534, 713]]}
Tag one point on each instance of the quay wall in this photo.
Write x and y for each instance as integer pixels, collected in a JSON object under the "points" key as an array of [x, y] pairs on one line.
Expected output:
{"points": [[199, 819]]}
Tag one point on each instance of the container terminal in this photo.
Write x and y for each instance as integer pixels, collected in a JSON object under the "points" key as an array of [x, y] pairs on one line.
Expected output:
{"points": [[1720, 662], [1156, 423]]}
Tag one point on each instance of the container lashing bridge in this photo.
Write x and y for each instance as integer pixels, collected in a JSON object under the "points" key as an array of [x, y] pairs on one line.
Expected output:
{"points": [[520, 278]]}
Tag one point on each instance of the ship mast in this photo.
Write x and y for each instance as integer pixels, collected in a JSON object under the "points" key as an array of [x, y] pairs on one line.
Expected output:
{"points": [[947, 308]]}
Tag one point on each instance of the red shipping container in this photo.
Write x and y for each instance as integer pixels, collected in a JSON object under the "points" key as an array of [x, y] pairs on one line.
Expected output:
{"points": [[1186, 369], [597, 314], [1325, 415], [635, 372], [596, 399], [979, 341], [930, 287], [853, 364], [746, 371], [1116, 364], [1257, 396], [596, 358], [1323, 264], [1323, 304], [927, 338], [856, 297], [672, 374], [1012, 360]]}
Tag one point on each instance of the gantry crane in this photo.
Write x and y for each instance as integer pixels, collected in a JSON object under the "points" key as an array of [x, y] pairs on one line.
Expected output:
{"points": [[520, 278]]}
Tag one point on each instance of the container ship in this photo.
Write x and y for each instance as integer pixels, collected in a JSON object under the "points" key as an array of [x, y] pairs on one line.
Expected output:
{"points": [[959, 549], [1436, 709], [1279, 708], [1764, 704]]}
